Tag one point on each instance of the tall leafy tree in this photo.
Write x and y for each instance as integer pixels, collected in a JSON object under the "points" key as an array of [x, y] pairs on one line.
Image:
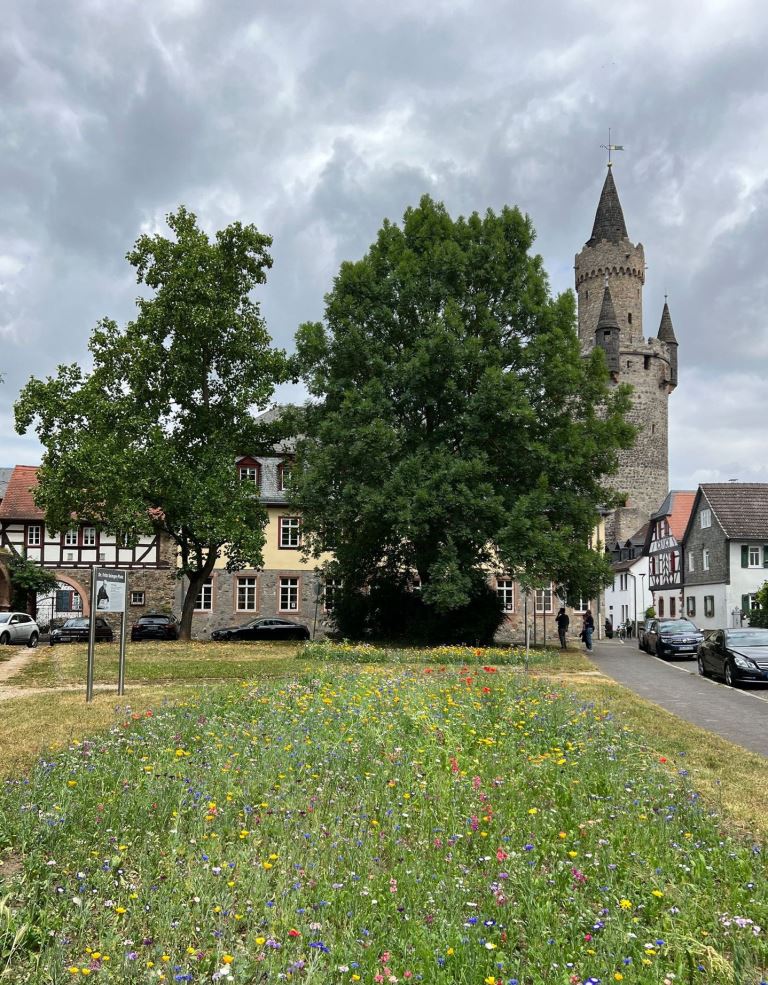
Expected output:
{"points": [[456, 427], [759, 616], [148, 438]]}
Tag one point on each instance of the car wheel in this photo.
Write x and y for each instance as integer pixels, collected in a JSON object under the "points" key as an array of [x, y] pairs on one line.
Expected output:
{"points": [[728, 677], [702, 669], [33, 640], [5, 639]]}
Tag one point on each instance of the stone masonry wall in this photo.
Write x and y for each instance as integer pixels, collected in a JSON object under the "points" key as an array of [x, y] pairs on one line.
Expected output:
{"points": [[624, 264]]}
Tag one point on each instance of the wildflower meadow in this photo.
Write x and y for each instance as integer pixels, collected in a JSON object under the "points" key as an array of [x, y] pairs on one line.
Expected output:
{"points": [[374, 824]]}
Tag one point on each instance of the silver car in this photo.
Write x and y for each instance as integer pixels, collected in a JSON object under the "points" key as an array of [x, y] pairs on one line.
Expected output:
{"points": [[18, 627]]}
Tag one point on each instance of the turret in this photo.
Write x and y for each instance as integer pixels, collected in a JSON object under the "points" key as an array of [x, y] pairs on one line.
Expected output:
{"points": [[607, 333], [666, 334]]}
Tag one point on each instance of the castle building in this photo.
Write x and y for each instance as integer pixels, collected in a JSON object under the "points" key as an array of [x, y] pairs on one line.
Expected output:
{"points": [[610, 274]]}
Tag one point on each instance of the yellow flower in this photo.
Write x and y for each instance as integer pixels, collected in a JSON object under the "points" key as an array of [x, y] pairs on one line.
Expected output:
{"points": [[71, 783], [260, 940], [73, 970], [266, 865], [657, 892], [618, 977], [533, 810], [120, 909], [625, 904], [227, 959], [449, 951]]}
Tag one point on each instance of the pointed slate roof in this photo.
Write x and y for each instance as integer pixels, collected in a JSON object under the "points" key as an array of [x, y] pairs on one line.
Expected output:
{"points": [[609, 218], [666, 333], [607, 317]]}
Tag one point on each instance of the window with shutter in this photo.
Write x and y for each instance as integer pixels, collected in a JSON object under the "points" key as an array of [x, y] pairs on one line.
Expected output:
{"points": [[744, 556], [745, 603], [765, 555]]}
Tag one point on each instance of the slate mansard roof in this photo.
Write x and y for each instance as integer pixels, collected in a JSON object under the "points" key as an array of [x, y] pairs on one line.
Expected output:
{"points": [[609, 218], [741, 508]]}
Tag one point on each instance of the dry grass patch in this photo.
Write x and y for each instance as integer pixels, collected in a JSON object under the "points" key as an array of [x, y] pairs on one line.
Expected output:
{"points": [[59, 666], [42, 723], [729, 777]]}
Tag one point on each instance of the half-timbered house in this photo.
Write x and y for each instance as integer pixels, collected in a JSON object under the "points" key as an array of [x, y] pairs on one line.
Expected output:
{"points": [[72, 553], [663, 546]]}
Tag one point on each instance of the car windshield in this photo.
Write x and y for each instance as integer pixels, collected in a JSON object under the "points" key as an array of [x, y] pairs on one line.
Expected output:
{"points": [[76, 624], [755, 637], [153, 620], [5, 616], [677, 626]]}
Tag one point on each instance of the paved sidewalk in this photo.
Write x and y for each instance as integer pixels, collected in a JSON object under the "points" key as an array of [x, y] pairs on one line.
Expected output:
{"points": [[741, 716]]}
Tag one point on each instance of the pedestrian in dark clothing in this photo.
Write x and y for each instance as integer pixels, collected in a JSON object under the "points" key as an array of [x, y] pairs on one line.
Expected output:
{"points": [[608, 629], [588, 629], [562, 626]]}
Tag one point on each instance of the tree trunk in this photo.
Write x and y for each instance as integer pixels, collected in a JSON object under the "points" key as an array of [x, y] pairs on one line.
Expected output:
{"points": [[196, 582]]}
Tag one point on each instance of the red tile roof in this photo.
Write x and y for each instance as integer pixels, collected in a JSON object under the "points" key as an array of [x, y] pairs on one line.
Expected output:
{"points": [[18, 503]]}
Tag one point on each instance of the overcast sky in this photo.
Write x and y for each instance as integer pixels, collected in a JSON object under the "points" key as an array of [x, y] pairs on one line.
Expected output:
{"points": [[315, 121]]}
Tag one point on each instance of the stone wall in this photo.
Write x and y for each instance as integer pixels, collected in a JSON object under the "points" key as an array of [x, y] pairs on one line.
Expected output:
{"points": [[624, 265]]}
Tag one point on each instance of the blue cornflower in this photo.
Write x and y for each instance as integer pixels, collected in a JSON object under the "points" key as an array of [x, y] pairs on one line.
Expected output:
{"points": [[320, 946]]}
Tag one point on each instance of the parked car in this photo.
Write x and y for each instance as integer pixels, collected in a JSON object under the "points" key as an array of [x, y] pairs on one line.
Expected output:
{"points": [[77, 631], [642, 629], [18, 627], [736, 655], [155, 626], [673, 638], [263, 629]]}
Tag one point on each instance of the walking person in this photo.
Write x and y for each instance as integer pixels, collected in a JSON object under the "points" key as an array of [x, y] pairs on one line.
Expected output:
{"points": [[562, 626], [588, 629]]}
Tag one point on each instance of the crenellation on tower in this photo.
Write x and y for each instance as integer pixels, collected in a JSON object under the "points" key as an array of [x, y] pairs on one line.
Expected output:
{"points": [[610, 275]]}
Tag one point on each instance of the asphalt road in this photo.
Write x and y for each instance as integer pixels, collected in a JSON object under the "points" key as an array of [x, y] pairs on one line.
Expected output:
{"points": [[737, 714]]}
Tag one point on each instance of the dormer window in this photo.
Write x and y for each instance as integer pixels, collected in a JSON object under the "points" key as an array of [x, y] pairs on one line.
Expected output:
{"points": [[249, 473], [283, 473]]}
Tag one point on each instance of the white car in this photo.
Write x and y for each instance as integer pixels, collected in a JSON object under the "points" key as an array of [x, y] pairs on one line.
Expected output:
{"points": [[18, 627]]}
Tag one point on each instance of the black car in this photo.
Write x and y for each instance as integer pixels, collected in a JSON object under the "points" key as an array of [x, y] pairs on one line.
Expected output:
{"points": [[263, 629], [673, 638], [78, 631], [155, 626], [736, 655], [642, 629]]}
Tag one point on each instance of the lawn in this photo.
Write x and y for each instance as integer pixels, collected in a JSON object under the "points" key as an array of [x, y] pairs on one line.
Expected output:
{"points": [[437, 822]]}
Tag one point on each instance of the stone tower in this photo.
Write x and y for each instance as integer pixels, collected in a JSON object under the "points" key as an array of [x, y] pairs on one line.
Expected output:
{"points": [[610, 273]]}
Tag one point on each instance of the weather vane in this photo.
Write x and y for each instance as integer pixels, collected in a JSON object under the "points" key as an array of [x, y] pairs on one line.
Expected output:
{"points": [[609, 147]]}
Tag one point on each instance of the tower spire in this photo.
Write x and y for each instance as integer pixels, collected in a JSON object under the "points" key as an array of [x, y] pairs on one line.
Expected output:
{"points": [[666, 332], [609, 218], [607, 317]]}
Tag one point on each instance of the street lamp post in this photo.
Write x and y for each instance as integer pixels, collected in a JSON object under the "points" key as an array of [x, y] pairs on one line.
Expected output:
{"points": [[641, 576], [634, 592]]}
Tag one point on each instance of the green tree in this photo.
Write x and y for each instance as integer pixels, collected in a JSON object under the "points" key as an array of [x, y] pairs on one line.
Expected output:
{"points": [[456, 427], [759, 617], [27, 580], [148, 439]]}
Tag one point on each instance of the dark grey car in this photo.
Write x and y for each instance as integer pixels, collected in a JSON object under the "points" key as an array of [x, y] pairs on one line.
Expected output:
{"points": [[673, 638], [18, 627]]}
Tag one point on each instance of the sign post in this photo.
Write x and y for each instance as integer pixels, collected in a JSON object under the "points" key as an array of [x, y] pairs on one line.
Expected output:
{"points": [[107, 595]]}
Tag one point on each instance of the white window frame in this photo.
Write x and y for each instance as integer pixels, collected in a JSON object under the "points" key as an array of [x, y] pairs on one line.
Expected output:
{"points": [[290, 532], [709, 606], [70, 537], [690, 606], [34, 535], [543, 597], [204, 600], [754, 551], [89, 536], [623, 581], [691, 561], [246, 594], [283, 470], [505, 589], [705, 559], [705, 518], [138, 598], [288, 598], [249, 473]]}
